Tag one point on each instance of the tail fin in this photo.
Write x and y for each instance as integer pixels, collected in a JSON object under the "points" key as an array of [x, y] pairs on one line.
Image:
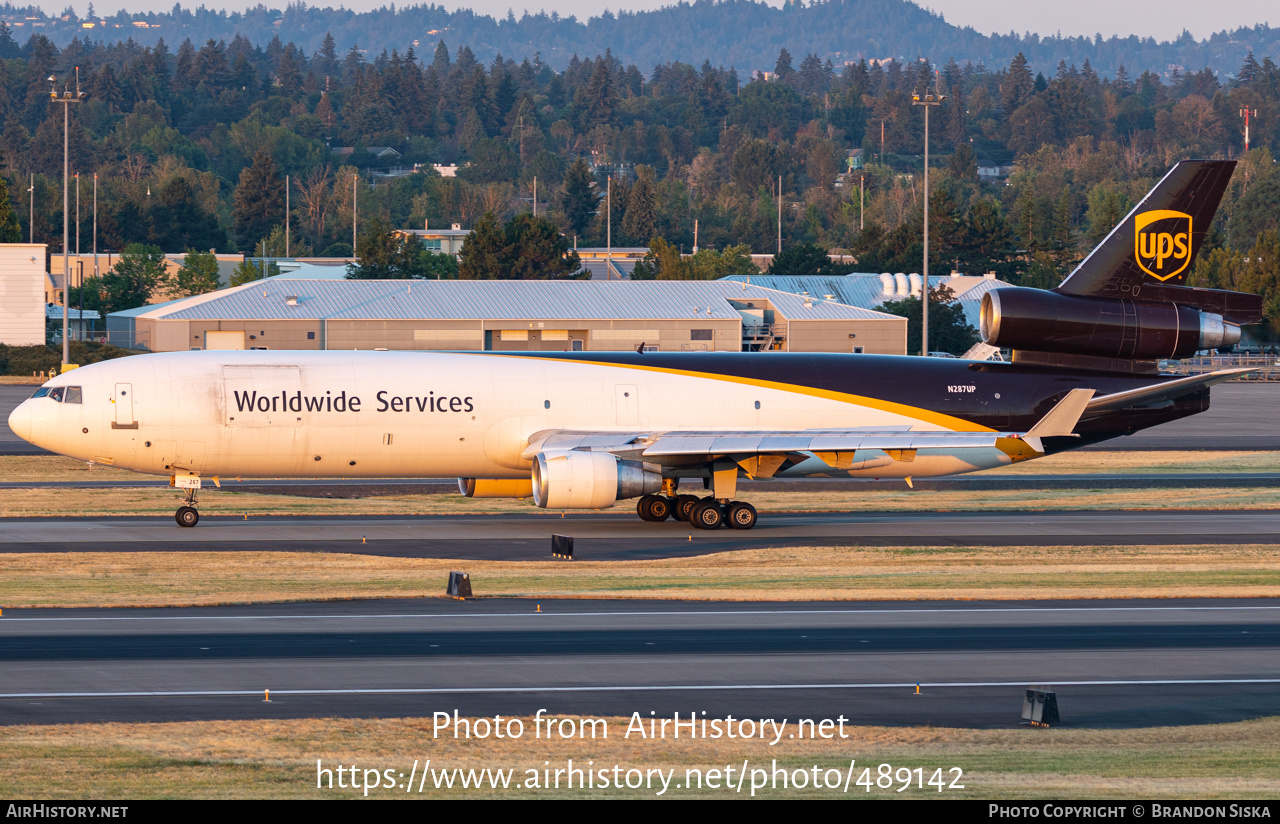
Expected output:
{"points": [[1148, 256]]}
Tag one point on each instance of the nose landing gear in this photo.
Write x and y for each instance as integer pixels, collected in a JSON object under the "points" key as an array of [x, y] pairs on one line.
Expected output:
{"points": [[187, 515]]}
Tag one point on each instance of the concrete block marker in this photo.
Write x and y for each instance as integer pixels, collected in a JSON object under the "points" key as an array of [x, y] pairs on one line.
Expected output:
{"points": [[562, 547], [1040, 707], [459, 586]]}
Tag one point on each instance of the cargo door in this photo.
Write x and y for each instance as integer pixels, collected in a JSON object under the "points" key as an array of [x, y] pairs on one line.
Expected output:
{"points": [[262, 396]]}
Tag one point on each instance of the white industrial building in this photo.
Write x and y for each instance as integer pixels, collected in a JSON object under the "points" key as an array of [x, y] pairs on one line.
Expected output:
{"points": [[290, 312], [869, 290], [22, 278]]}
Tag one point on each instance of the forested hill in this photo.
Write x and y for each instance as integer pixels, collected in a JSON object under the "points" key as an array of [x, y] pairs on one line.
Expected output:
{"points": [[744, 34]]}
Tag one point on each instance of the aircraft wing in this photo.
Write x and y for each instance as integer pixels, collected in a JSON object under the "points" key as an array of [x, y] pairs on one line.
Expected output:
{"points": [[1160, 392], [766, 450]]}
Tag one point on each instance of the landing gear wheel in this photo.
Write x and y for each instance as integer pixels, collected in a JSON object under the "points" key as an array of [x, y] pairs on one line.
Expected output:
{"points": [[684, 505], [653, 508], [707, 515], [741, 515], [187, 516]]}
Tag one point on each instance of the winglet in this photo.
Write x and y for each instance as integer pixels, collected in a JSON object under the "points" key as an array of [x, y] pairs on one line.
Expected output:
{"points": [[1061, 420]]}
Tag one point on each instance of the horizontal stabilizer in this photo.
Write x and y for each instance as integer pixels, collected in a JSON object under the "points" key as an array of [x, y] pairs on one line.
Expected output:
{"points": [[1061, 420], [1169, 390]]}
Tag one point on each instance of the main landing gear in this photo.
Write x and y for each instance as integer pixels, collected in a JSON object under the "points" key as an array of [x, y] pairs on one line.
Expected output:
{"points": [[187, 514], [703, 513]]}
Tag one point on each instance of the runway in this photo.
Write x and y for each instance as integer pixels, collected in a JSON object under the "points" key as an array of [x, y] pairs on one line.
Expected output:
{"points": [[622, 536], [1113, 663]]}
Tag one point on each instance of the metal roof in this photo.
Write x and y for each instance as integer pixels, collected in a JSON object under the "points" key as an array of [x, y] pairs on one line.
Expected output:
{"points": [[497, 300], [866, 289]]}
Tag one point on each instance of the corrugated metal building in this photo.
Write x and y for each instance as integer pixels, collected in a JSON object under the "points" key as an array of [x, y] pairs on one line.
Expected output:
{"points": [[869, 290], [295, 313]]}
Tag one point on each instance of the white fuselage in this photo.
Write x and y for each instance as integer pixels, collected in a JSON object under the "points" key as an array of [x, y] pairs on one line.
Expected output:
{"points": [[420, 415]]}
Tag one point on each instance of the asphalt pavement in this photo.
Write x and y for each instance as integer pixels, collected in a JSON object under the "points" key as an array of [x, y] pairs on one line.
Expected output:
{"points": [[623, 536], [1112, 663]]}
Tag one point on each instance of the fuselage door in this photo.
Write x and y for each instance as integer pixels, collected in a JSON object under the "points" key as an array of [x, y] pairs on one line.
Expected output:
{"points": [[258, 396], [628, 404], [124, 404]]}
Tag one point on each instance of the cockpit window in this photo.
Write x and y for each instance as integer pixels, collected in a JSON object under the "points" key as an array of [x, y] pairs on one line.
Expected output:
{"points": [[56, 394], [41, 392], [73, 395]]}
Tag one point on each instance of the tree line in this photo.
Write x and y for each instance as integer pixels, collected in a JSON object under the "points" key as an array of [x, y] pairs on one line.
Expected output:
{"points": [[201, 148]]}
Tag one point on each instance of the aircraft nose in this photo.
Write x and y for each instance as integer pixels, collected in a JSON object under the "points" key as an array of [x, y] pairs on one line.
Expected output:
{"points": [[20, 420]]}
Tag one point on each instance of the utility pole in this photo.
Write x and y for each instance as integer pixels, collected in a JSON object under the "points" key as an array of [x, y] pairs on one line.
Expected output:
{"points": [[353, 214], [535, 195], [928, 101], [286, 215], [862, 198], [779, 214], [1246, 113], [608, 228], [66, 100], [95, 233], [31, 221], [79, 262]]}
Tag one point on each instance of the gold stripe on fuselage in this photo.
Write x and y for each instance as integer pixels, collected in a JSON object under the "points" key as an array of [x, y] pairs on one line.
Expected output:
{"points": [[949, 422]]}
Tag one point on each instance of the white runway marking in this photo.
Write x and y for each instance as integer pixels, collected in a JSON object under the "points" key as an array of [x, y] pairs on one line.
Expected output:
{"points": [[651, 688]]}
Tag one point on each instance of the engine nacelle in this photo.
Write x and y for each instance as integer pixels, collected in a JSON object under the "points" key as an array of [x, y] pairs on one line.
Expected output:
{"points": [[588, 480], [1042, 321], [495, 488]]}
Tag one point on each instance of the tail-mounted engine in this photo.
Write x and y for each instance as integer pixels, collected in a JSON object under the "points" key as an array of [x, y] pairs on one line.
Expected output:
{"points": [[1044, 321], [588, 480]]}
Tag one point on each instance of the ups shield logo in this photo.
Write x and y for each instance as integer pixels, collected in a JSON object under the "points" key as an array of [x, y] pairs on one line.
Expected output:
{"points": [[1162, 242]]}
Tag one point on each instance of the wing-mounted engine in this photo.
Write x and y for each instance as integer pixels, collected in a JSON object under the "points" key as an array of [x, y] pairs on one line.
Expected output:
{"points": [[569, 479]]}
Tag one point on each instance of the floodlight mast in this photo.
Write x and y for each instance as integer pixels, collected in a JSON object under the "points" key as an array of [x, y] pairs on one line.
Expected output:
{"points": [[928, 101], [67, 98]]}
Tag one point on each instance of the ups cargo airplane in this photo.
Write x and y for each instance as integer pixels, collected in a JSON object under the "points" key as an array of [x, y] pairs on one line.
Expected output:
{"points": [[583, 430]]}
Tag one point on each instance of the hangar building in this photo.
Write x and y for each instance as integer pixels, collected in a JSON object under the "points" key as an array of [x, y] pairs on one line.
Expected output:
{"points": [[285, 312], [869, 290]]}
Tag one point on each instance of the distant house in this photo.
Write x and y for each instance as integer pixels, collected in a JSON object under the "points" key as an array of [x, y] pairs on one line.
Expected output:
{"points": [[384, 153], [441, 241]]}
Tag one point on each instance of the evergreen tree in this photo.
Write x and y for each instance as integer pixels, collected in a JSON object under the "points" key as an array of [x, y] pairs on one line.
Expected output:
{"points": [[10, 232], [537, 250], [178, 221], [803, 260], [578, 200], [783, 69], [641, 219], [484, 253], [259, 200], [386, 255]]}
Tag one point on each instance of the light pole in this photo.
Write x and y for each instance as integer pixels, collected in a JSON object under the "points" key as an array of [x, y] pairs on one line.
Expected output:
{"points": [[66, 100], [928, 101]]}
